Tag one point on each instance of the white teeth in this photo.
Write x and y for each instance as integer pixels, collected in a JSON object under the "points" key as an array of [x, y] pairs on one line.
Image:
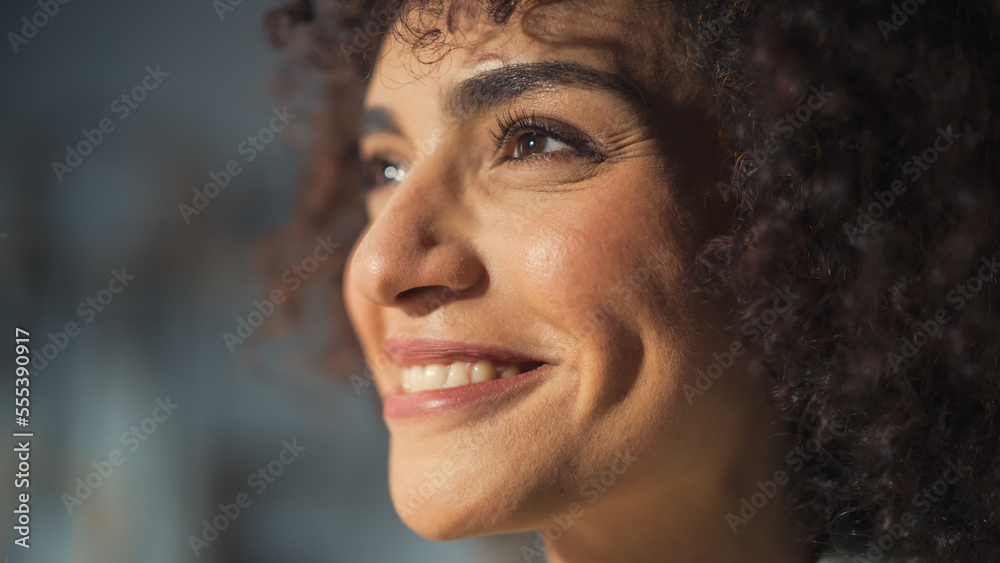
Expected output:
{"points": [[412, 379], [483, 371], [440, 376], [406, 379], [434, 376], [457, 375]]}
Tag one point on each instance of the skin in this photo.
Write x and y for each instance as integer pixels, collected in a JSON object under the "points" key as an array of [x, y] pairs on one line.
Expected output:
{"points": [[583, 261]]}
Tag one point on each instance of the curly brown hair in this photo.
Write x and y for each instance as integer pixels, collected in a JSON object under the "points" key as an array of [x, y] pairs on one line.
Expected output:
{"points": [[876, 205]]}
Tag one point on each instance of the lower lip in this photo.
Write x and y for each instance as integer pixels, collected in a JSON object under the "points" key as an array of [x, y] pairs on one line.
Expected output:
{"points": [[398, 404]]}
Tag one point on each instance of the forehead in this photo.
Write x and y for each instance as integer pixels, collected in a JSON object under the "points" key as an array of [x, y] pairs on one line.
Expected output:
{"points": [[632, 39]]}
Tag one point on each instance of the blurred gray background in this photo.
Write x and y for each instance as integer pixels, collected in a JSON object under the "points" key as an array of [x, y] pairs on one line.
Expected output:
{"points": [[63, 237]]}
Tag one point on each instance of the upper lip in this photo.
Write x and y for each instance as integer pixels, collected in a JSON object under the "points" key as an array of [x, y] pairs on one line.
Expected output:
{"points": [[424, 351]]}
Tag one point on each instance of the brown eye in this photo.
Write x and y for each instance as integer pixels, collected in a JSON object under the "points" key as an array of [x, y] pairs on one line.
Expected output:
{"points": [[379, 172], [535, 143]]}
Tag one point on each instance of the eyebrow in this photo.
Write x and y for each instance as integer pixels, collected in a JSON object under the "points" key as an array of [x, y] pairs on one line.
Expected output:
{"points": [[494, 88], [497, 87], [378, 120]]}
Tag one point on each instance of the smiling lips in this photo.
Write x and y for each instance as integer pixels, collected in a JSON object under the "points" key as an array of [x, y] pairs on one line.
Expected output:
{"points": [[441, 364], [439, 375]]}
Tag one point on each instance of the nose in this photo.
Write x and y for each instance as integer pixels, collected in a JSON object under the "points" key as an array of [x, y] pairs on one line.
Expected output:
{"points": [[417, 252]]}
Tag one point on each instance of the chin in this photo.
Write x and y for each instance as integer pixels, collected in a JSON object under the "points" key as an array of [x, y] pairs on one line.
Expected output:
{"points": [[436, 502], [446, 492]]}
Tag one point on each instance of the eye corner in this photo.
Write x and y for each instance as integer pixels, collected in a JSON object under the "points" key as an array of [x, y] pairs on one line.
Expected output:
{"points": [[379, 170], [513, 122]]}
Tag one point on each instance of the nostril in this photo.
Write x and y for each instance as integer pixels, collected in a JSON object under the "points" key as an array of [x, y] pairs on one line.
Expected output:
{"points": [[420, 301], [407, 294], [393, 268]]}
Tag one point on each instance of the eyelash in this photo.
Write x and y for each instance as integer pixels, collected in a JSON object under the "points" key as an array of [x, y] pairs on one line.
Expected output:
{"points": [[374, 167], [510, 123]]}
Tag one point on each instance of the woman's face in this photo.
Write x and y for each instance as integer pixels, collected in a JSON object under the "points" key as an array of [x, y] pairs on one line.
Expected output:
{"points": [[539, 196]]}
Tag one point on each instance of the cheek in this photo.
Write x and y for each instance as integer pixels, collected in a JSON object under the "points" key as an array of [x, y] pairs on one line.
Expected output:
{"points": [[552, 258], [587, 259], [606, 268]]}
